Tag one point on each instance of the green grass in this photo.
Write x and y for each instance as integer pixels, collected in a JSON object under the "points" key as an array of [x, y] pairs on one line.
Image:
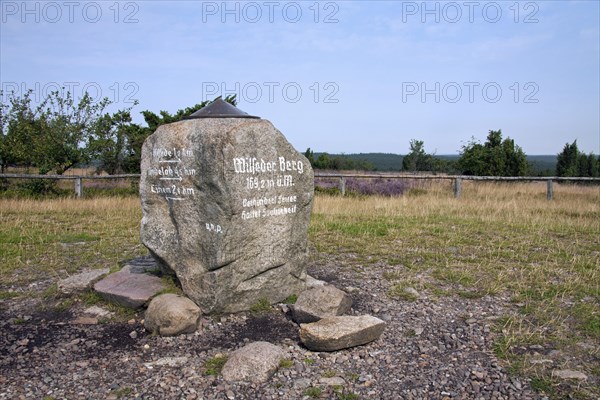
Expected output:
{"points": [[262, 306], [313, 391], [291, 299], [399, 292], [344, 394], [213, 366]]}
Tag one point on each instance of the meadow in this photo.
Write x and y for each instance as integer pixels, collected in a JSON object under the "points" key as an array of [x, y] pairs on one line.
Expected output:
{"points": [[499, 240]]}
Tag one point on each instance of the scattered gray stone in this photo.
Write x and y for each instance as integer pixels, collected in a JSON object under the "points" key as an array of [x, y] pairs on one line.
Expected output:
{"points": [[351, 289], [168, 361], [542, 361], [129, 290], [333, 381], [170, 314], [84, 321], [412, 292], [312, 282], [569, 374], [142, 265], [320, 302], [335, 333], [302, 383], [81, 281], [256, 362], [226, 206], [97, 312]]}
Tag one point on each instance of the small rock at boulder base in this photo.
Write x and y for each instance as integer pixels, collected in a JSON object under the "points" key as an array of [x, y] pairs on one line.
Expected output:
{"points": [[170, 314], [226, 206], [312, 282], [256, 363], [320, 302], [336, 333]]}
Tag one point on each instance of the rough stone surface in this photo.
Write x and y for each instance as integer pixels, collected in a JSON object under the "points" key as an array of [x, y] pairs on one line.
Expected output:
{"points": [[170, 314], [570, 374], [255, 362], [226, 205], [81, 281], [336, 333], [320, 302], [129, 290], [141, 265], [314, 282]]}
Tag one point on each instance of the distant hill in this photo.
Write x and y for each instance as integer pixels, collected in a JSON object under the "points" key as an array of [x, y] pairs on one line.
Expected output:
{"points": [[544, 165]]}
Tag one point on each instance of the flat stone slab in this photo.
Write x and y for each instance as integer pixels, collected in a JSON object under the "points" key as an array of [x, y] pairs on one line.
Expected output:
{"points": [[129, 290], [320, 302], [255, 362], [569, 374], [336, 333], [81, 281]]}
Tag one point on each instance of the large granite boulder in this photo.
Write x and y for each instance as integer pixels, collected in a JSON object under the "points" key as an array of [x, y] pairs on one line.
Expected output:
{"points": [[226, 205]]}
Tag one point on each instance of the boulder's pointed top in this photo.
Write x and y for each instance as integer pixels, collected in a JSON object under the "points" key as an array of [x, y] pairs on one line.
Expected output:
{"points": [[220, 109]]}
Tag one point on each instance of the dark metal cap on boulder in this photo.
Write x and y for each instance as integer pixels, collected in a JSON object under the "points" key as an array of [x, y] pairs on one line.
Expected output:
{"points": [[220, 109]]}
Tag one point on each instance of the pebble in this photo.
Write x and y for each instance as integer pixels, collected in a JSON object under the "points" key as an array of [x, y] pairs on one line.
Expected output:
{"points": [[569, 374]]}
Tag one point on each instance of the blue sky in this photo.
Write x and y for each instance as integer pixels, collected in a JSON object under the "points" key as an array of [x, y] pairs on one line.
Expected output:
{"points": [[336, 76]]}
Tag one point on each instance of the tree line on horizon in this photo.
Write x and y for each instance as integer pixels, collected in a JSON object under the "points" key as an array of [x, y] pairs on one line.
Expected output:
{"points": [[60, 133], [495, 157]]}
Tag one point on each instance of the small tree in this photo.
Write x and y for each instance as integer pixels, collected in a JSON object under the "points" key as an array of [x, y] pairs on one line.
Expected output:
{"points": [[572, 162], [51, 136], [566, 161], [417, 159], [494, 158], [310, 156], [109, 141]]}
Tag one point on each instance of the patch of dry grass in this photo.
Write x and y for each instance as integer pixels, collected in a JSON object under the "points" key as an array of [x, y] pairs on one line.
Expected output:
{"points": [[47, 239], [497, 239]]}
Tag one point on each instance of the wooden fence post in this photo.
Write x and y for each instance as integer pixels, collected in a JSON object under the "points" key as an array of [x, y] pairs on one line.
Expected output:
{"points": [[343, 186], [549, 190], [78, 187], [457, 187]]}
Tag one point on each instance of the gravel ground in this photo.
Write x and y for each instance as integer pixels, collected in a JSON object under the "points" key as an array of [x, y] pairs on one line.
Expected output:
{"points": [[432, 348]]}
